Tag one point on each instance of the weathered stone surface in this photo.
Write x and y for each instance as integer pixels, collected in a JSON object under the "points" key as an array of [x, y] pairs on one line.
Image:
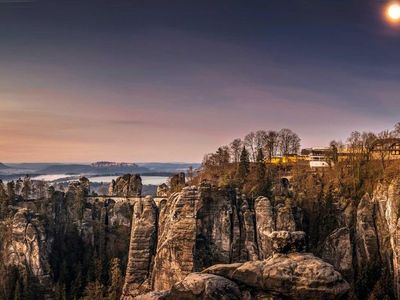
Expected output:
{"points": [[203, 226], [28, 248], [337, 250], [176, 240], [387, 222], [127, 186], [205, 286], [163, 190], [284, 217], [287, 241], [142, 248], [177, 182], [295, 275], [366, 237], [215, 213], [265, 225], [162, 295], [119, 214], [249, 235], [224, 270]]}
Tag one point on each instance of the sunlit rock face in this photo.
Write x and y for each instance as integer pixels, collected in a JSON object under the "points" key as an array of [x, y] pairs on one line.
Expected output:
{"points": [[129, 185], [198, 227], [27, 247], [203, 226], [163, 190], [176, 240], [143, 243], [295, 276], [386, 201]]}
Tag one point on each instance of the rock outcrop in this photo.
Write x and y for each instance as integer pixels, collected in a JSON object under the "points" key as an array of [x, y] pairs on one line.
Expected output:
{"points": [[386, 199], [287, 276], [27, 247], [294, 275], [265, 225], [203, 226], [176, 240], [126, 186], [205, 286], [338, 251], [142, 248], [163, 190]]}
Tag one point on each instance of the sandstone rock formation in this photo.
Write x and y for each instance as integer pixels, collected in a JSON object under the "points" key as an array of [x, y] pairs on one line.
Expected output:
{"points": [[265, 225], [205, 286], [338, 251], [176, 239], [163, 190], [27, 247], [177, 182], [294, 275], [142, 248], [126, 186], [386, 199], [203, 226]]}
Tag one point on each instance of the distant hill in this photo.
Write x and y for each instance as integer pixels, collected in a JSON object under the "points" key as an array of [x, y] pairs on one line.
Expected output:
{"points": [[93, 169], [15, 170], [168, 167], [3, 166]]}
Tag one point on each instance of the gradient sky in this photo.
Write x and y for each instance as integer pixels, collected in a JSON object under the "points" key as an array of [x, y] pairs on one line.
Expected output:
{"points": [[85, 80]]}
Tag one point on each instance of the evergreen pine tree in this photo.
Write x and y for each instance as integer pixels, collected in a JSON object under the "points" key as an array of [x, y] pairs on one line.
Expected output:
{"points": [[260, 166], [244, 164]]}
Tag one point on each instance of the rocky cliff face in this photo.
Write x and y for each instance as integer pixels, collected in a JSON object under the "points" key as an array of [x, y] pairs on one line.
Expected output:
{"points": [[209, 243], [143, 243], [126, 186], [27, 247], [383, 239], [205, 226], [55, 238]]}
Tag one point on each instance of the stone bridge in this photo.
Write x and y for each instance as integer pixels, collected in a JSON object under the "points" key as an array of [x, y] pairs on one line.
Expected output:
{"points": [[130, 200]]}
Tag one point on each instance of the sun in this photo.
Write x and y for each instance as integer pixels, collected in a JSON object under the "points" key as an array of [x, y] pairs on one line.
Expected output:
{"points": [[393, 12]]}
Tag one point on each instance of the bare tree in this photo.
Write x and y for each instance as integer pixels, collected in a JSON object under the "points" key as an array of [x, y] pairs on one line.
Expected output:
{"points": [[271, 145], [289, 142], [396, 131], [236, 148], [251, 144], [383, 147], [355, 142], [261, 139], [368, 139]]}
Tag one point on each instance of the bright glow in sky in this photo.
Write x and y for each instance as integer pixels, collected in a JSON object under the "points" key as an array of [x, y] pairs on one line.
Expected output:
{"points": [[393, 12]]}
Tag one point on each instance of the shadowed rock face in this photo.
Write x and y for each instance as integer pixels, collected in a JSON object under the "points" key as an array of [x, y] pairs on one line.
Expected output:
{"points": [[338, 251], [366, 236], [265, 225]]}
